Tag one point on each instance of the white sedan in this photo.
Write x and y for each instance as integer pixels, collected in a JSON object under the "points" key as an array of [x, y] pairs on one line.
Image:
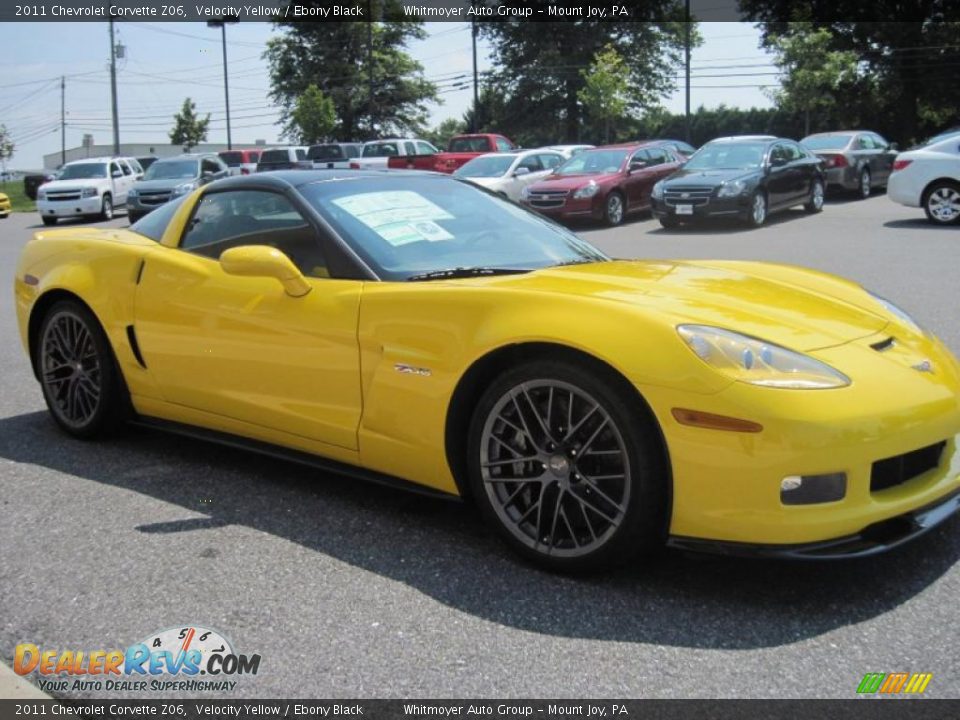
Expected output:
{"points": [[929, 177], [508, 173]]}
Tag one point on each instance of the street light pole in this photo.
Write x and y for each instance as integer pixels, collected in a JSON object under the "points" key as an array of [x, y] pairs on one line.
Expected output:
{"points": [[113, 91], [221, 22], [686, 48], [63, 121], [476, 92]]}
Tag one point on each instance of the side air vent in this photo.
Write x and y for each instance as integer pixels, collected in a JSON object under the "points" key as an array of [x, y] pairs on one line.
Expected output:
{"points": [[884, 344], [135, 346]]}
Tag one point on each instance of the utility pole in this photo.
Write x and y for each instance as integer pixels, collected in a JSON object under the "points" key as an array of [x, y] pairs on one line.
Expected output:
{"points": [[686, 49], [63, 120], [221, 22], [476, 92], [370, 62], [113, 91]]}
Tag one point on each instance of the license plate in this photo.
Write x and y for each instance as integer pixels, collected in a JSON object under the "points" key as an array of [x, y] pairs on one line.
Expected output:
{"points": [[684, 209]]}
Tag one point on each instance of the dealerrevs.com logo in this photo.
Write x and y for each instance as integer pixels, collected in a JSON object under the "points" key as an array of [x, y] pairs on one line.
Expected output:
{"points": [[894, 683], [168, 661]]}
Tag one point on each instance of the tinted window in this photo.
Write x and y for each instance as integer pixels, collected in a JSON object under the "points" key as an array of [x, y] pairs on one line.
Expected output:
{"points": [[223, 220], [173, 170], [275, 156], [425, 148], [380, 149], [532, 163], [154, 224], [301, 154], [352, 151], [879, 142], [594, 162], [727, 156], [114, 169], [550, 160], [658, 156], [83, 171], [210, 165], [233, 159], [470, 144], [124, 168], [325, 152]]}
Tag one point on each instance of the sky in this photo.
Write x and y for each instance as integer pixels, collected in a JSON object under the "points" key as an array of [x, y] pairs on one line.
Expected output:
{"points": [[166, 62]]}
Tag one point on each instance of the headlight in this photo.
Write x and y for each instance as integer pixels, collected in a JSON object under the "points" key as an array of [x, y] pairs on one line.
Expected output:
{"points": [[41, 194], [732, 189], [89, 192], [758, 362], [657, 192], [525, 193], [587, 191], [183, 189], [899, 313]]}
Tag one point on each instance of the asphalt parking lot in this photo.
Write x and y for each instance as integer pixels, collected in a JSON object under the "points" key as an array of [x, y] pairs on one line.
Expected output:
{"points": [[352, 590]]}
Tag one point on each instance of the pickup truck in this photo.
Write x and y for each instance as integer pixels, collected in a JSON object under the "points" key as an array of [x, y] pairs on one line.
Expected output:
{"points": [[460, 150]]}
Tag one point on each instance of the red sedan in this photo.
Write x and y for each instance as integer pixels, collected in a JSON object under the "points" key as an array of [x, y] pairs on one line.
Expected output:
{"points": [[606, 183]]}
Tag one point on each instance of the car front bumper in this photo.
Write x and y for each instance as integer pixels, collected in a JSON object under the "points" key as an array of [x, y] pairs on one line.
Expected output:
{"points": [[143, 204], [737, 206], [5, 206], [570, 208], [727, 485], [69, 208]]}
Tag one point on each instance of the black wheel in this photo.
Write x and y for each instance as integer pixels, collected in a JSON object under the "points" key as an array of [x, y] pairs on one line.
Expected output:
{"points": [[941, 203], [567, 468], [78, 373], [757, 214], [614, 209], [106, 208], [863, 186], [815, 203], [49, 221], [669, 222]]}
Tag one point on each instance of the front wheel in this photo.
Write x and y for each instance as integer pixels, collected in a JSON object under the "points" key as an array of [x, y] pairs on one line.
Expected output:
{"points": [[757, 215], [106, 208], [613, 209], [942, 203], [815, 203], [669, 222], [81, 383], [567, 468]]}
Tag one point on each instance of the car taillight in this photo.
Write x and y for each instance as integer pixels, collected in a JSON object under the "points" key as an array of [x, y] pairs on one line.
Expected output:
{"points": [[244, 171], [354, 166], [838, 161], [900, 164]]}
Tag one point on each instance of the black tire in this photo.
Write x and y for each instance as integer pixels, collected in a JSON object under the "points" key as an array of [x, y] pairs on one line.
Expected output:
{"points": [[815, 203], [754, 217], [864, 187], [937, 201], [669, 222], [49, 221], [614, 209], [68, 382], [106, 207], [642, 515]]}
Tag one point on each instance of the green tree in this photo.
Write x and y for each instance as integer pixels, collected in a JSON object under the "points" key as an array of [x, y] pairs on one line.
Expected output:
{"points": [[313, 117], [441, 134], [909, 50], [6, 147], [605, 93], [538, 66], [814, 77], [363, 67], [189, 130]]}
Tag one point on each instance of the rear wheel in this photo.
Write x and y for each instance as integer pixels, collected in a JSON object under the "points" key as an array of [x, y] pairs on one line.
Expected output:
{"points": [[81, 383], [815, 203], [864, 185], [613, 209], [566, 468], [942, 203]]}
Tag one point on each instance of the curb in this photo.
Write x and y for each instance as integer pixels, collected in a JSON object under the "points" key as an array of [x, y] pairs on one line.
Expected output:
{"points": [[14, 687]]}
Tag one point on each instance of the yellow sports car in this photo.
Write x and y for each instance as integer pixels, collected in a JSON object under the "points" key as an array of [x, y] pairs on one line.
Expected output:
{"points": [[415, 329], [4, 205]]}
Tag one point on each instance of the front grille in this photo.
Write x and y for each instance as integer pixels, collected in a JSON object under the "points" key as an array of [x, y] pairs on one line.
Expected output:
{"points": [[63, 195], [697, 195], [154, 198], [893, 471], [547, 198]]}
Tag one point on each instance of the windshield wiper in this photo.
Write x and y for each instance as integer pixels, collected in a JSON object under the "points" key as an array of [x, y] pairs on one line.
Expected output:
{"points": [[464, 272]]}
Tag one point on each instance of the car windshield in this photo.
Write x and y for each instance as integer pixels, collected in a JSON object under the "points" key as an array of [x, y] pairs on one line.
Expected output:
{"points": [[468, 145], [413, 226], [593, 162], [826, 142], [727, 156], [83, 171], [942, 136], [384, 149], [274, 156], [172, 170], [489, 166]]}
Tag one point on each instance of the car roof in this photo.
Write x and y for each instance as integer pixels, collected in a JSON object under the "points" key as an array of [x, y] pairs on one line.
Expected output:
{"points": [[749, 138], [281, 179]]}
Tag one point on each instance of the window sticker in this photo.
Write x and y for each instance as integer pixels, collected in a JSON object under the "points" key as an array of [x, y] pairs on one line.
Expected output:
{"points": [[399, 217]]}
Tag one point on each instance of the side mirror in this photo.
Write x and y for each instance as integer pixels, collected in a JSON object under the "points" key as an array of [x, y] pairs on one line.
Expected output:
{"points": [[138, 176], [521, 171], [637, 165], [265, 261], [206, 176], [116, 174], [777, 162]]}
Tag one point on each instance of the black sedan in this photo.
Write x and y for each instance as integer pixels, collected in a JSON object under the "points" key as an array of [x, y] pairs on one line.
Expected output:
{"points": [[746, 177], [857, 160]]}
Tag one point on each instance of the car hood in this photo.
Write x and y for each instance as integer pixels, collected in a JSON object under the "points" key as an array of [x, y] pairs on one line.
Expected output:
{"points": [[571, 182], [684, 177], [66, 184], [487, 182], [162, 184], [795, 307]]}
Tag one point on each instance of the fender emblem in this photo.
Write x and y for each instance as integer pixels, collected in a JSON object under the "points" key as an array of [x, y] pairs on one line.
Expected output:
{"points": [[411, 370], [924, 366]]}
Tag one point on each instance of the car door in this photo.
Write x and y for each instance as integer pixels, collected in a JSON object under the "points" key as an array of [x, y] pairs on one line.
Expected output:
{"points": [[884, 158], [800, 170], [641, 174], [240, 347], [780, 183], [118, 183]]}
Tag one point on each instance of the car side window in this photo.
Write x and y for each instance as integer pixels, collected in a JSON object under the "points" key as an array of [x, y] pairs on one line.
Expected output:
{"points": [[208, 165], [657, 156], [531, 163], [879, 142], [301, 154], [640, 156], [503, 145], [864, 143], [794, 152], [424, 148], [778, 154], [236, 218], [124, 168], [550, 161], [115, 168]]}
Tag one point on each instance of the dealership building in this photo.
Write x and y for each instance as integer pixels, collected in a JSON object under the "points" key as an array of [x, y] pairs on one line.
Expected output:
{"points": [[90, 149]]}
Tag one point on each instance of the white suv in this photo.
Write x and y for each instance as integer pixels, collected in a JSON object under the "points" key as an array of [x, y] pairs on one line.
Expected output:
{"points": [[88, 188]]}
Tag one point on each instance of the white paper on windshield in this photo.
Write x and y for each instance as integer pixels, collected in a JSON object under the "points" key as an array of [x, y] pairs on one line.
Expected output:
{"points": [[399, 216]]}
